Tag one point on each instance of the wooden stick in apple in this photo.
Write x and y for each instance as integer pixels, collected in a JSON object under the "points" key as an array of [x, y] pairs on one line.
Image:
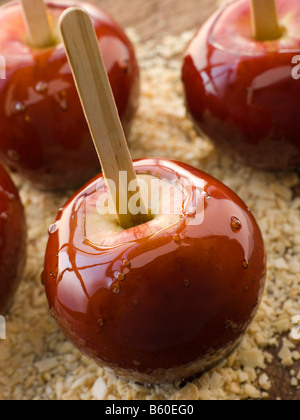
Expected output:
{"points": [[98, 103], [38, 27], [265, 20]]}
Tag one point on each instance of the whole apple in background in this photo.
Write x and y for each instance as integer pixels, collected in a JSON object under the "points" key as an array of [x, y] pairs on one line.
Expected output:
{"points": [[240, 92], [43, 132], [164, 300], [12, 240]]}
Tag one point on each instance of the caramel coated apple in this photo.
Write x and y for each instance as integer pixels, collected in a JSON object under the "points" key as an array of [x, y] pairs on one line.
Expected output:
{"points": [[165, 300], [243, 93], [43, 132], [12, 240]]}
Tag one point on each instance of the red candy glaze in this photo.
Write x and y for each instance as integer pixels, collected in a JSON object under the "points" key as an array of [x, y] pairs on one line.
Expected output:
{"points": [[12, 240], [43, 132], [241, 93], [164, 307]]}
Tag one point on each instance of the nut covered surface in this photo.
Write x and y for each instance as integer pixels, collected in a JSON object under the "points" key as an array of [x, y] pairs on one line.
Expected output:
{"points": [[38, 362]]}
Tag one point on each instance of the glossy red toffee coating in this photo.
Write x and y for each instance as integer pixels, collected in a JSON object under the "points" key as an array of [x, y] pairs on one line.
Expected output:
{"points": [[43, 132], [240, 92], [164, 307], [12, 240]]}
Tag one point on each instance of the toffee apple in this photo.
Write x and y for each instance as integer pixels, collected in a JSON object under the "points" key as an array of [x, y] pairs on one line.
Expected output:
{"points": [[164, 300], [165, 289], [43, 132], [12, 240], [239, 89]]}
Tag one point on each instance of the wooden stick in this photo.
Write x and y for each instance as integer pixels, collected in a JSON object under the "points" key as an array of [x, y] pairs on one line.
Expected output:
{"points": [[37, 24], [265, 20], [100, 109]]}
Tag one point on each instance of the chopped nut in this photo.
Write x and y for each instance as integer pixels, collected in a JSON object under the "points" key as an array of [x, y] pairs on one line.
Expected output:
{"points": [[252, 358], [286, 356], [282, 325], [243, 377], [294, 382], [47, 364], [234, 388], [189, 392], [281, 264], [264, 382], [99, 389], [252, 392]]}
